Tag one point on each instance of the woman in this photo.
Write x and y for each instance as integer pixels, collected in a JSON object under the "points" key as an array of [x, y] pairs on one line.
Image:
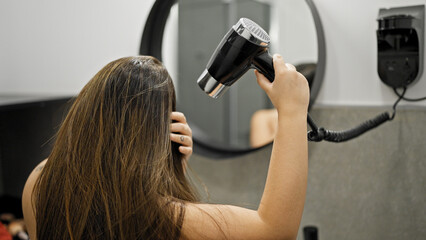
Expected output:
{"points": [[117, 169]]}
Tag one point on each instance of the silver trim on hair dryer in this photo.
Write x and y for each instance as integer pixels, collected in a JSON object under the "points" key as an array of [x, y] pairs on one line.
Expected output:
{"points": [[249, 30], [210, 86]]}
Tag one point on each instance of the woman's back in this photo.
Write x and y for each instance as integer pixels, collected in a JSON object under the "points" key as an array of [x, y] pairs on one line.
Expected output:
{"points": [[117, 172]]}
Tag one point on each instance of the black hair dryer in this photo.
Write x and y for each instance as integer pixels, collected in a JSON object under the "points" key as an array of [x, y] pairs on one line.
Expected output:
{"points": [[244, 47]]}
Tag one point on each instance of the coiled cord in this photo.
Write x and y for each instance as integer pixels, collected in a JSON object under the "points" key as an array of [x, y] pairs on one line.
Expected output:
{"points": [[320, 134]]}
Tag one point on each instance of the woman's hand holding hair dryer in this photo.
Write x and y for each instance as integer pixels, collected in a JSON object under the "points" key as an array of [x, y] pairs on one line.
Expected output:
{"points": [[289, 92]]}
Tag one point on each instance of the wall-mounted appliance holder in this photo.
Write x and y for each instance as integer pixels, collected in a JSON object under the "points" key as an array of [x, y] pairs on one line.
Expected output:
{"points": [[400, 40]]}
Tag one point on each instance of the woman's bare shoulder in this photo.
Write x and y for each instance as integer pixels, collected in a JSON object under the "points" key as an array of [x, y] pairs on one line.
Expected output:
{"points": [[27, 204]]}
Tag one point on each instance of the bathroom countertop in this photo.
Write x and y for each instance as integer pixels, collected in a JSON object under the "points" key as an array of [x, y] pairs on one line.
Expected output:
{"points": [[14, 101]]}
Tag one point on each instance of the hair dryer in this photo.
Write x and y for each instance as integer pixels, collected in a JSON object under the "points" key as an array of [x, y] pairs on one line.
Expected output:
{"points": [[244, 47]]}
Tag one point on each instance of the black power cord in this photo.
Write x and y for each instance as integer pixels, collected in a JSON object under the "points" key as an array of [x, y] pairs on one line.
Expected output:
{"points": [[396, 103], [405, 98], [319, 134]]}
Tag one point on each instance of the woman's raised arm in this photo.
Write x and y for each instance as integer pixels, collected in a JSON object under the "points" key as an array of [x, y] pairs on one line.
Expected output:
{"points": [[281, 207]]}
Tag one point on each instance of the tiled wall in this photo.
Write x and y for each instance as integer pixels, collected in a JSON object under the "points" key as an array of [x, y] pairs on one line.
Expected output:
{"points": [[373, 187]]}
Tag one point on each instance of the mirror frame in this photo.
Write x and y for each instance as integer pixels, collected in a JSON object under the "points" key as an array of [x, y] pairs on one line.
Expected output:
{"points": [[152, 43]]}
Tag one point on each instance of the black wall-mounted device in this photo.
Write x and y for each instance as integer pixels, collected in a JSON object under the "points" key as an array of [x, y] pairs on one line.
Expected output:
{"points": [[400, 40]]}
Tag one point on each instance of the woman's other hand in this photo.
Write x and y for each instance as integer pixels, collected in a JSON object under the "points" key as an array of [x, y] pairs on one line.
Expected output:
{"points": [[181, 134]]}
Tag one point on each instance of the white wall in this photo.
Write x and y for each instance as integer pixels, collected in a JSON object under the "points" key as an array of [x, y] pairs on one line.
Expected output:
{"points": [[170, 45], [351, 77], [55, 47], [293, 31]]}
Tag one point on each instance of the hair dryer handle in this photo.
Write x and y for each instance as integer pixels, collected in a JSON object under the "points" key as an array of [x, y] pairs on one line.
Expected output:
{"points": [[264, 64]]}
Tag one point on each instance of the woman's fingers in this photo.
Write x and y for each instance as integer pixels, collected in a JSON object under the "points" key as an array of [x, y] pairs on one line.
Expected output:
{"points": [[185, 150], [262, 80], [279, 67], [182, 128], [181, 139], [289, 90], [178, 117], [291, 66], [181, 134]]}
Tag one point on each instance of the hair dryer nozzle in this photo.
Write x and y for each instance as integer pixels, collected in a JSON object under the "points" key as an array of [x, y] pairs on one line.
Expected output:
{"points": [[210, 85], [252, 32]]}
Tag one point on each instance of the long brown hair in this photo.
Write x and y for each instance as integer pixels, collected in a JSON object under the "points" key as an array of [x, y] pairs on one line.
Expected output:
{"points": [[113, 172]]}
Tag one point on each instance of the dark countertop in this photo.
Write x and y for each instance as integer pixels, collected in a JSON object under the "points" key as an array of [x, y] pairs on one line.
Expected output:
{"points": [[15, 101]]}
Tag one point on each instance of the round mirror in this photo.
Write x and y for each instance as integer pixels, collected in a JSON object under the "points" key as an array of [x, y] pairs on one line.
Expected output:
{"points": [[185, 35]]}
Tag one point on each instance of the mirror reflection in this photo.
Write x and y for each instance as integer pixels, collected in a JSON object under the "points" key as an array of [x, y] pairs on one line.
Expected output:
{"points": [[244, 117]]}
